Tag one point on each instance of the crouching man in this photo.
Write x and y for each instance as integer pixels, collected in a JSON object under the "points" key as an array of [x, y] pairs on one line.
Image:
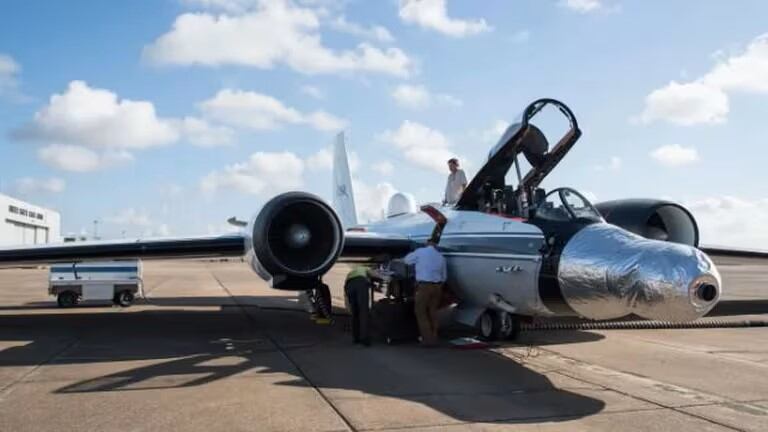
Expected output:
{"points": [[357, 289], [431, 273]]}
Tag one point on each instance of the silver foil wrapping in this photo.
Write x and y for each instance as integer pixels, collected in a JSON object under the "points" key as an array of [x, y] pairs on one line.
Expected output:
{"points": [[606, 272]]}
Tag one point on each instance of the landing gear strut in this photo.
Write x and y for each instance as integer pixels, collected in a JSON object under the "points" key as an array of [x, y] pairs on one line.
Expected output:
{"points": [[320, 299]]}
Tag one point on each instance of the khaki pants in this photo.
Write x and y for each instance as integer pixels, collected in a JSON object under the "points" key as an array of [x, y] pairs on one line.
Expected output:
{"points": [[427, 303]]}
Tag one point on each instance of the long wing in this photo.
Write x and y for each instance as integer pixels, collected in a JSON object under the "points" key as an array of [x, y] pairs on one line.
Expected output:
{"points": [[357, 246], [716, 251], [189, 247]]}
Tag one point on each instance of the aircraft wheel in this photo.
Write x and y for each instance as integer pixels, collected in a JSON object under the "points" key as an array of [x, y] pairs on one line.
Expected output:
{"points": [[124, 298], [491, 325], [67, 299], [512, 331]]}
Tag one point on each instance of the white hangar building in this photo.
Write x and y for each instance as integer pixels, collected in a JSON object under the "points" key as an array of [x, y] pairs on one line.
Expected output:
{"points": [[22, 223]]}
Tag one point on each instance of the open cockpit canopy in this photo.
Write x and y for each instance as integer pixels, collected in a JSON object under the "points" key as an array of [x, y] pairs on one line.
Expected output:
{"points": [[523, 145]]}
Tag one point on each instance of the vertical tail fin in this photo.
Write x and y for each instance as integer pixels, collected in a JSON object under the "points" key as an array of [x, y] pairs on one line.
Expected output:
{"points": [[343, 198]]}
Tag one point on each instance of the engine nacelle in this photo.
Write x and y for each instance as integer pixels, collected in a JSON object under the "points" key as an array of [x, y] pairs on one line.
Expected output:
{"points": [[652, 219], [295, 239]]}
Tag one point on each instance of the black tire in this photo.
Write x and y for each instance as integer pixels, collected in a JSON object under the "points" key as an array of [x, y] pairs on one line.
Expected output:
{"points": [[67, 299], [495, 325], [124, 298], [514, 329], [489, 326]]}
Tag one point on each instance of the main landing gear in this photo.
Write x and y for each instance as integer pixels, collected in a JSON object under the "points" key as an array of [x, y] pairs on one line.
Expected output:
{"points": [[496, 325], [320, 301]]}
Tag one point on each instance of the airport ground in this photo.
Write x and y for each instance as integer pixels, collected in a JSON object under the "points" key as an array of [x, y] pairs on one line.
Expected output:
{"points": [[214, 349]]}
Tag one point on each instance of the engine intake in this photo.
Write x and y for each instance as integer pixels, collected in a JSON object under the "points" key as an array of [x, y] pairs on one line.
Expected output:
{"points": [[652, 219], [296, 238]]}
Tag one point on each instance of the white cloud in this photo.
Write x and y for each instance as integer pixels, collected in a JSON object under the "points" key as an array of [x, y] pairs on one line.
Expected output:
{"points": [[81, 159], [323, 160], [263, 173], [371, 200], [614, 164], [421, 145], [30, 185], [745, 72], [96, 118], [377, 33], [313, 91], [411, 96], [583, 6], [384, 168], [9, 72], [231, 6], [417, 97], [202, 134], [275, 33], [258, 111], [675, 155], [731, 221], [494, 132], [130, 217], [686, 104], [85, 128], [131, 221], [433, 15], [706, 99]]}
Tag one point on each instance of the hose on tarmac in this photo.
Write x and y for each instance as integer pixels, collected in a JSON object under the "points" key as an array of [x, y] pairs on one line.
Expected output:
{"points": [[641, 325]]}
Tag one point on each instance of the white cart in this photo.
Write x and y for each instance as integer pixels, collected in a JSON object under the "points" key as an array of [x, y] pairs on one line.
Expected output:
{"points": [[115, 281]]}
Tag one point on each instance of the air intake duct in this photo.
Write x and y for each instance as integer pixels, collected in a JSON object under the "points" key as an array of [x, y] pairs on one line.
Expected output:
{"points": [[652, 219], [296, 238]]}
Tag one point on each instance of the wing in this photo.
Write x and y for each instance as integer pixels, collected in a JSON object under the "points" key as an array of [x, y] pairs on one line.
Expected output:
{"points": [[718, 252], [189, 247], [357, 246], [373, 246]]}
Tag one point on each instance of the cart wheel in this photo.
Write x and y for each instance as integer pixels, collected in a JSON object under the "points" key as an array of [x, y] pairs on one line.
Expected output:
{"points": [[66, 299], [124, 298]]}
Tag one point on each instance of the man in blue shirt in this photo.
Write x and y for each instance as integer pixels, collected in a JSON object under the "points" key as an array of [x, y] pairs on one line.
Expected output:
{"points": [[431, 273]]}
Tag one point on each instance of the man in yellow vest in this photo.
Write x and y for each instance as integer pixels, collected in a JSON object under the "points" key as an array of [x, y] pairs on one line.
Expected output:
{"points": [[357, 289]]}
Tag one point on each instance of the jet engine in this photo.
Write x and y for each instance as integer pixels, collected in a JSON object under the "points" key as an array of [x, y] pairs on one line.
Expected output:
{"points": [[652, 219], [295, 239]]}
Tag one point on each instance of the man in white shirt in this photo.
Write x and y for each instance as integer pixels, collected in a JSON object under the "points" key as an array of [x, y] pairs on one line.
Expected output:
{"points": [[431, 273], [457, 181]]}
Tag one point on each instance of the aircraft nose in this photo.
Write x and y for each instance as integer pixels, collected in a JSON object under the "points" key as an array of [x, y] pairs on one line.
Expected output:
{"points": [[606, 272]]}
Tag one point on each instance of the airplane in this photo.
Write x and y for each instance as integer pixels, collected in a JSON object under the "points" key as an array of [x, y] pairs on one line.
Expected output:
{"points": [[515, 252]]}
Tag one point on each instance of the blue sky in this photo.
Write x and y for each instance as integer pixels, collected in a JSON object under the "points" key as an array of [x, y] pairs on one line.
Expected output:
{"points": [[169, 116]]}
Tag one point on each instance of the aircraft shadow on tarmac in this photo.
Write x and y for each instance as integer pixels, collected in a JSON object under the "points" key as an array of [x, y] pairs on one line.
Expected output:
{"points": [[193, 347]]}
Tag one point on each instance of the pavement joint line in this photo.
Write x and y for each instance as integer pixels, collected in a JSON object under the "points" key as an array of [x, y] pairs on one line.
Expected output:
{"points": [[709, 352], [516, 420], [7, 388], [298, 368], [659, 404]]}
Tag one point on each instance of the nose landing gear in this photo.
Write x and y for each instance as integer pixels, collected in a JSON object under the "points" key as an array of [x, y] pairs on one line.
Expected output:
{"points": [[496, 325]]}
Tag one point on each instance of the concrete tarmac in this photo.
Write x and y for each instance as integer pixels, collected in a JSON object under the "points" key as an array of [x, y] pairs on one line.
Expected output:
{"points": [[213, 348]]}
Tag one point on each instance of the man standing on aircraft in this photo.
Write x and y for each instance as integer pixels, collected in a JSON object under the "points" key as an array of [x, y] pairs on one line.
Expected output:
{"points": [[457, 181], [431, 273], [357, 289]]}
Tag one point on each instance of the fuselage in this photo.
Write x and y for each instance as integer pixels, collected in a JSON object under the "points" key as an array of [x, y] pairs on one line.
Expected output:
{"points": [[487, 255], [595, 270]]}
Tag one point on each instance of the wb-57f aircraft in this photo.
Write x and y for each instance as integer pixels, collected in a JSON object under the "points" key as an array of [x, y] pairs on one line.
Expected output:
{"points": [[514, 251]]}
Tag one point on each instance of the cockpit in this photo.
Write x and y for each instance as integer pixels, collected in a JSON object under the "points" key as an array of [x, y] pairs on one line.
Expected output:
{"points": [[509, 182]]}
